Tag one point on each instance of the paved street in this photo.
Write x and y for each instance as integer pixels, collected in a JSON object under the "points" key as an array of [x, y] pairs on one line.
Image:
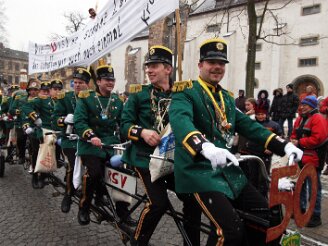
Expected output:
{"points": [[33, 217]]}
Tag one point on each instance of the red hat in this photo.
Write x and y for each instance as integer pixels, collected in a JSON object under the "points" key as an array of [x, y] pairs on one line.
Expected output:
{"points": [[259, 109]]}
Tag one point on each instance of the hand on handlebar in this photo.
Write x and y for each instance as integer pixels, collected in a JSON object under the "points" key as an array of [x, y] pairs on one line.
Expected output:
{"points": [[151, 137], [38, 122], [96, 141], [69, 119], [29, 130], [217, 156], [292, 149]]}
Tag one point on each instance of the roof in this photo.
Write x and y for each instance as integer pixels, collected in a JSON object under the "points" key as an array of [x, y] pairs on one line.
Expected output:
{"points": [[213, 5], [13, 54]]}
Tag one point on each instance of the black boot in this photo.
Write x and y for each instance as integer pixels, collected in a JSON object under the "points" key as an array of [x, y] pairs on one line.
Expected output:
{"points": [[35, 181], [41, 183], [85, 201], [122, 210], [314, 221], [83, 216], [66, 203]]}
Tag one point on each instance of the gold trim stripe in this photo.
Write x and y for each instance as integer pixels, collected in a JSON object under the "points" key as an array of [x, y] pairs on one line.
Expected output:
{"points": [[268, 140], [132, 137], [186, 145], [219, 231], [145, 210]]}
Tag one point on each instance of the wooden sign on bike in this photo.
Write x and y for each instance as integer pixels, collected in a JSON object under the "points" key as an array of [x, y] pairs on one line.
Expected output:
{"points": [[120, 180], [291, 200]]}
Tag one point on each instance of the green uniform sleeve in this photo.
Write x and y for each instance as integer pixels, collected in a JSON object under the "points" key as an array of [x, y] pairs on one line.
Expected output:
{"points": [[59, 115], [129, 126], [81, 120]]}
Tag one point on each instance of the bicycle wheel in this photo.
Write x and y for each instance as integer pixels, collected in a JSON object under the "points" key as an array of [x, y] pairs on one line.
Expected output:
{"points": [[2, 166]]}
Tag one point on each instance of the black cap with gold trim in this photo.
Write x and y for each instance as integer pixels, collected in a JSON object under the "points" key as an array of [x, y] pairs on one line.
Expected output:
{"points": [[214, 49], [159, 54], [57, 83], [13, 87], [83, 74], [33, 84], [105, 72], [45, 85]]}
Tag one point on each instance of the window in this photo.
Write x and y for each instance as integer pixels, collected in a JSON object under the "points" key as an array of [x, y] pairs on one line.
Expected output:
{"points": [[309, 41], [258, 47], [213, 28], [16, 79], [2, 64], [307, 62], [310, 10], [219, 3], [10, 65], [257, 65], [16, 66], [258, 19]]}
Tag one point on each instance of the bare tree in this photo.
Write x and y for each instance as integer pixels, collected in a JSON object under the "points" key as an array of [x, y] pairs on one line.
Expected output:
{"points": [[3, 17], [75, 21]]}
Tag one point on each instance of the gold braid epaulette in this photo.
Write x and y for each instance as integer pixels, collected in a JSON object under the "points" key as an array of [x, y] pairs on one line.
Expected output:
{"points": [[135, 88], [182, 85], [61, 95], [84, 94]]}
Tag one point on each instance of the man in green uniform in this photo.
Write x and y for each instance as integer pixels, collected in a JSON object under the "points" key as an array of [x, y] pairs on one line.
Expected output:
{"points": [[39, 112], [32, 89], [8, 118], [19, 98], [143, 118], [64, 120], [204, 118], [96, 119]]}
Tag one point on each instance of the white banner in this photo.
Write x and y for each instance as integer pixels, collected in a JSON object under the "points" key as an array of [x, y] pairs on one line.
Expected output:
{"points": [[117, 23]]}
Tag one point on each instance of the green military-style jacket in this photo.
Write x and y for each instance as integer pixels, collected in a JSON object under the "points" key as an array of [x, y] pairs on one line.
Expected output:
{"points": [[5, 105], [193, 120], [43, 107], [19, 99], [65, 104], [89, 122], [139, 113]]}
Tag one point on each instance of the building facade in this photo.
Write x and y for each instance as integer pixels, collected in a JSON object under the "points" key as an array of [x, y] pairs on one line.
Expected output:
{"points": [[293, 51]]}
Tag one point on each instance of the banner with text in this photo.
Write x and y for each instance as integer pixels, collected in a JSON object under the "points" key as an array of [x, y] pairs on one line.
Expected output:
{"points": [[117, 23]]}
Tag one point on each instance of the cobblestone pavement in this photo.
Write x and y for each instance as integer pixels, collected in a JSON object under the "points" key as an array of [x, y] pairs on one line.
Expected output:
{"points": [[33, 217]]}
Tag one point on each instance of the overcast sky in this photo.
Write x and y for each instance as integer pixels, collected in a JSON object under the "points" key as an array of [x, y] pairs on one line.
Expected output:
{"points": [[35, 20]]}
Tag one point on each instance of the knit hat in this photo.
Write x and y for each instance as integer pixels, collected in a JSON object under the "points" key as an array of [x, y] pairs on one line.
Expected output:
{"points": [[311, 101], [261, 109], [290, 86]]}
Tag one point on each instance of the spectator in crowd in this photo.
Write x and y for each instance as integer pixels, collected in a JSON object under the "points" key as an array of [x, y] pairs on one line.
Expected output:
{"points": [[262, 99], [250, 105], [240, 101], [275, 110], [309, 91], [289, 105], [323, 108], [253, 148], [310, 134]]}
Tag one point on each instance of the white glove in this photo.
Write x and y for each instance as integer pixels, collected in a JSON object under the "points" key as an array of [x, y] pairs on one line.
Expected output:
{"points": [[72, 137], [5, 118], [29, 130], [285, 184], [38, 122], [292, 149], [217, 156], [69, 119]]}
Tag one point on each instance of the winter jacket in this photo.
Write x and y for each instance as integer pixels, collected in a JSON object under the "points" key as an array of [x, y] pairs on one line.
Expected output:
{"points": [[276, 106], [313, 135], [289, 105], [263, 103]]}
